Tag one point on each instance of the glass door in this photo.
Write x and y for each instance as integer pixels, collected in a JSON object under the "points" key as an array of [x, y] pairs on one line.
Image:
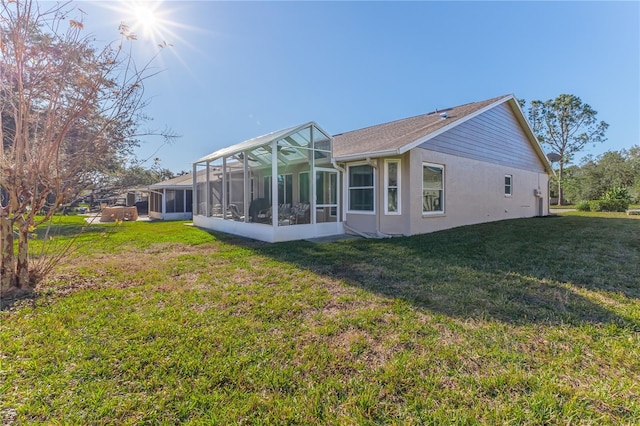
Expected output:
{"points": [[327, 196]]}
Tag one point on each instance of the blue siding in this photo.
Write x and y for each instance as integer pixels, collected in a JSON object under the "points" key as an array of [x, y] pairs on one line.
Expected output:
{"points": [[494, 136]]}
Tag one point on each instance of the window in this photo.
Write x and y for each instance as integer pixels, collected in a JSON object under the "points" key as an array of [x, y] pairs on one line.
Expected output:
{"points": [[267, 188], [508, 185], [155, 202], [432, 188], [189, 206], [285, 188], [361, 194], [170, 202], [303, 187], [392, 187]]}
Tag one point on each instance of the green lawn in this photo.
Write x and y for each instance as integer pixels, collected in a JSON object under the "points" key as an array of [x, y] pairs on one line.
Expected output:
{"points": [[532, 321]]}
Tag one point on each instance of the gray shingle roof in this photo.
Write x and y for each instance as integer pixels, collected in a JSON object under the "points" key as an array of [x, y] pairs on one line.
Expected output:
{"points": [[185, 180], [393, 137]]}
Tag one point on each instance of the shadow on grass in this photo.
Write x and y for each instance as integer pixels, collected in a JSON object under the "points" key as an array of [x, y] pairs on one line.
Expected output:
{"points": [[516, 271], [66, 229]]}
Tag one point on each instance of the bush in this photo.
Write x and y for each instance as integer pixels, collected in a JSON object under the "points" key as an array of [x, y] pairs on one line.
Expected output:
{"points": [[613, 205], [583, 206], [617, 193]]}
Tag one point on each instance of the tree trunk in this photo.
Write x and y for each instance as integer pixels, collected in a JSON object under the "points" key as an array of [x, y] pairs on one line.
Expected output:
{"points": [[15, 278], [560, 169], [7, 258], [22, 266]]}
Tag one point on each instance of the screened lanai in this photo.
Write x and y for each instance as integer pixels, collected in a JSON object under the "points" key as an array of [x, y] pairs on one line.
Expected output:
{"points": [[281, 186]]}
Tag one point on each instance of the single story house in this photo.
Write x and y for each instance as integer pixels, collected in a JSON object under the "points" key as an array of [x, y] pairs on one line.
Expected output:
{"points": [[172, 199], [473, 163]]}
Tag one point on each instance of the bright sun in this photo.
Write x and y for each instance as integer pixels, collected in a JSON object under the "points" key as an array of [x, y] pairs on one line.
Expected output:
{"points": [[145, 16], [146, 19]]}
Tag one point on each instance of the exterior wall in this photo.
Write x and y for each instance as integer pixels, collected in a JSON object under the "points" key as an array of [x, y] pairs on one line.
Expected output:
{"points": [[394, 224], [267, 233], [474, 192], [389, 224], [159, 197], [171, 216], [495, 136], [362, 222]]}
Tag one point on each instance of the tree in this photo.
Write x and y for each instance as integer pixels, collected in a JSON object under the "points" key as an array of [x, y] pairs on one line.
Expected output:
{"points": [[131, 176], [566, 125], [67, 110], [613, 169]]}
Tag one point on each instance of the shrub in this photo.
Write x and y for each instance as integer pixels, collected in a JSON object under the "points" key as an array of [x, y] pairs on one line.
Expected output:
{"points": [[612, 205], [617, 193], [583, 206]]}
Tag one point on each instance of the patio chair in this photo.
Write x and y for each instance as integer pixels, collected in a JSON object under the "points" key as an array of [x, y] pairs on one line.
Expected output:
{"points": [[302, 213], [235, 213], [264, 216], [257, 207]]}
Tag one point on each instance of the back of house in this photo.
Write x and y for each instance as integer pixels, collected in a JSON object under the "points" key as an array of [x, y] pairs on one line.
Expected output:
{"points": [[469, 164]]}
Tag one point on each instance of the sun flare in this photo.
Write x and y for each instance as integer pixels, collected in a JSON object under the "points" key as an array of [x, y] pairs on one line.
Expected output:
{"points": [[146, 19]]}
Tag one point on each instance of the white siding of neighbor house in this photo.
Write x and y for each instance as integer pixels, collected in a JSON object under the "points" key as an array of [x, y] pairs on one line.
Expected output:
{"points": [[494, 136]]}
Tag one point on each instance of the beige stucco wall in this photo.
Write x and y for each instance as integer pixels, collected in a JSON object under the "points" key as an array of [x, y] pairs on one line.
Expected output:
{"points": [[474, 192], [392, 224]]}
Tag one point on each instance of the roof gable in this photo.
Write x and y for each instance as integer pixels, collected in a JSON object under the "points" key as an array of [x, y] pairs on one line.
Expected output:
{"points": [[398, 137], [401, 135]]}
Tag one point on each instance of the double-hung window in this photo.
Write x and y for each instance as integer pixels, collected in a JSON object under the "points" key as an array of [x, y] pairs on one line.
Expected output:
{"points": [[361, 191], [392, 187], [432, 188], [508, 185]]}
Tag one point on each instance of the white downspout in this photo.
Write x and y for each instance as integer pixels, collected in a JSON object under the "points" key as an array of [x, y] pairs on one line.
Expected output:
{"points": [[341, 169]]}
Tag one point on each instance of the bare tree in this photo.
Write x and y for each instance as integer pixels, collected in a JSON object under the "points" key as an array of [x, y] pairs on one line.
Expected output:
{"points": [[566, 125], [67, 109]]}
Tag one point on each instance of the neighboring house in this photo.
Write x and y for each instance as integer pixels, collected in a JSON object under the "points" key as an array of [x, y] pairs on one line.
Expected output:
{"points": [[469, 164], [172, 199]]}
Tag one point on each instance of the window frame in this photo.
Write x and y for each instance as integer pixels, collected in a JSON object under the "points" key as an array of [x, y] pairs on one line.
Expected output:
{"points": [[282, 187], [372, 188], [397, 187], [443, 189], [510, 186]]}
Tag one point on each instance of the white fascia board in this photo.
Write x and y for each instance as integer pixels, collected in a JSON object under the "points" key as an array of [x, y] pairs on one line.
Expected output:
{"points": [[365, 155], [450, 126], [181, 186]]}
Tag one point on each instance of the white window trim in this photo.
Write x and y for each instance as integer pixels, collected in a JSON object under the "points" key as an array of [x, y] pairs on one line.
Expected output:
{"points": [[444, 191], [363, 212], [510, 194], [398, 187]]}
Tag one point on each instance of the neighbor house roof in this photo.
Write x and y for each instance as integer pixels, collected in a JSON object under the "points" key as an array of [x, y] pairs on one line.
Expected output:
{"points": [[398, 137], [184, 181]]}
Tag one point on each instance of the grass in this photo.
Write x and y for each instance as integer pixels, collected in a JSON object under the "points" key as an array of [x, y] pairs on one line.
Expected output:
{"points": [[532, 321], [573, 206]]}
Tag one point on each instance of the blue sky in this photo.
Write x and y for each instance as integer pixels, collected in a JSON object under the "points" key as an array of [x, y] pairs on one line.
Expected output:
{"points": [[241, 69]]}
